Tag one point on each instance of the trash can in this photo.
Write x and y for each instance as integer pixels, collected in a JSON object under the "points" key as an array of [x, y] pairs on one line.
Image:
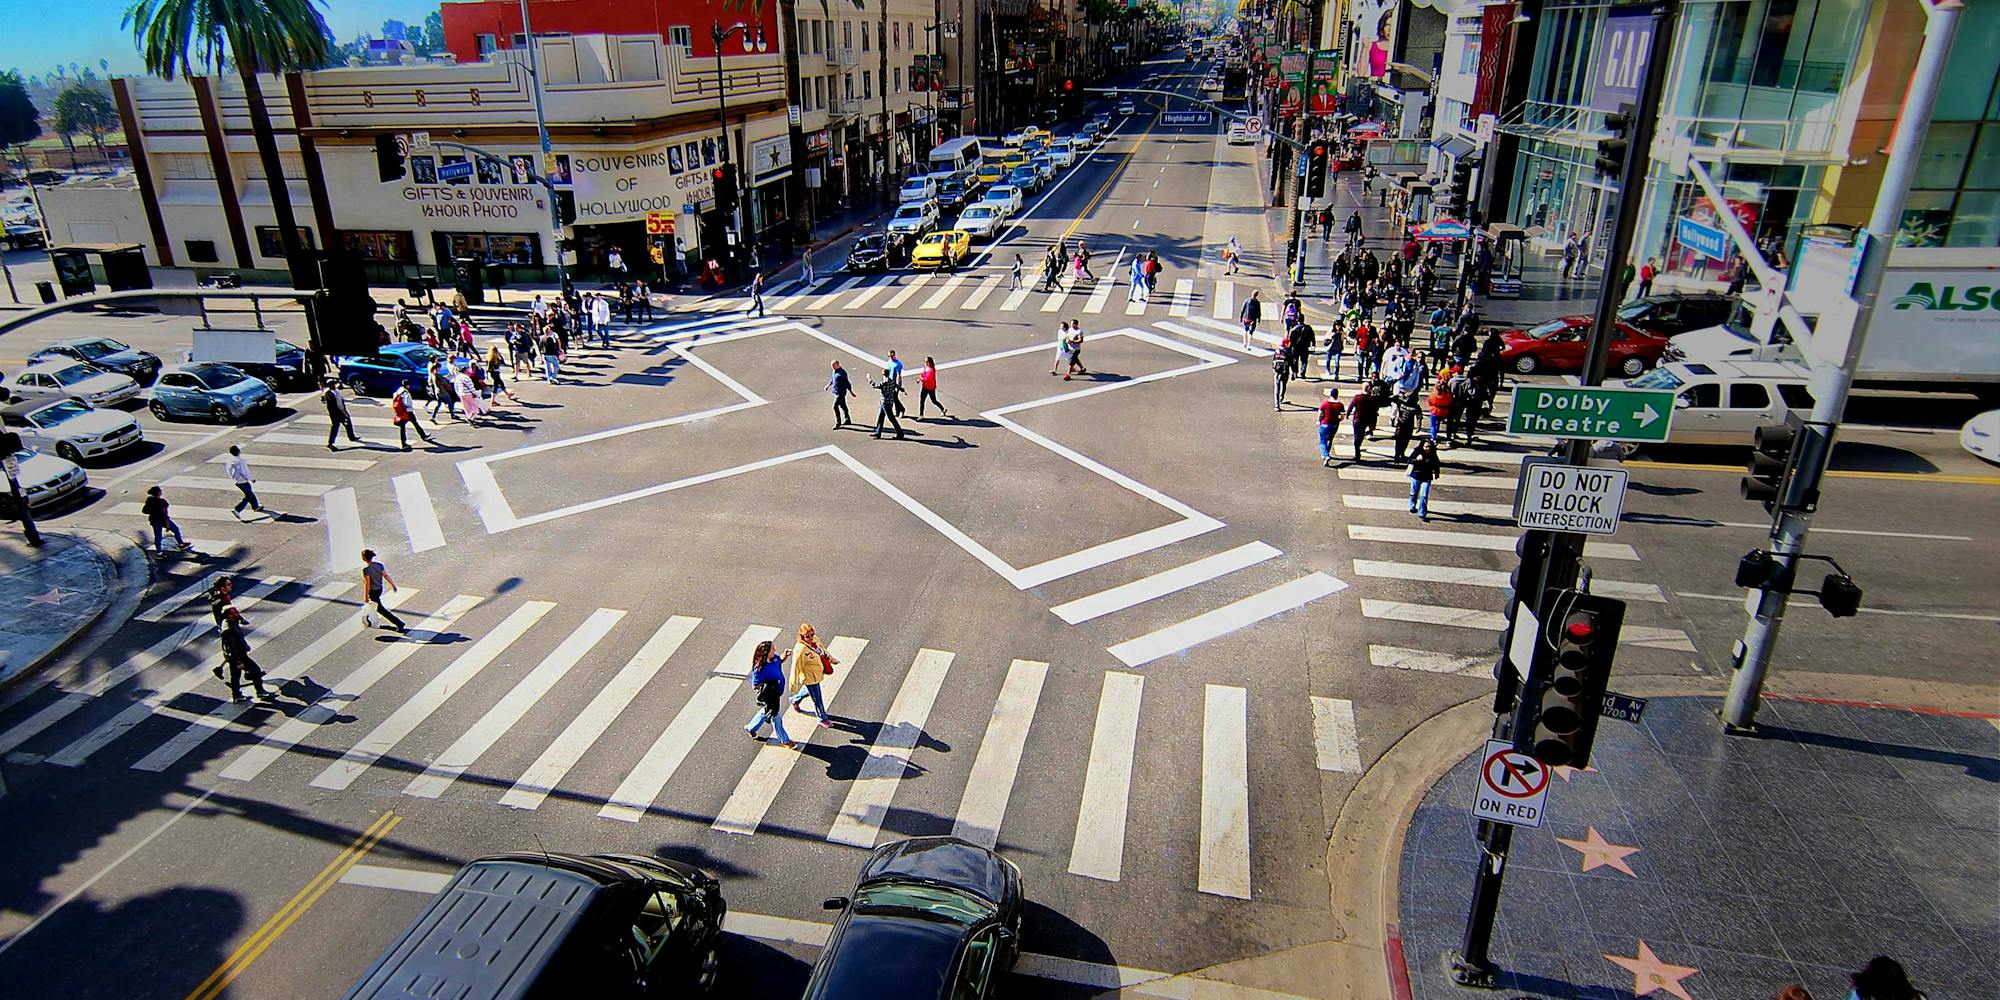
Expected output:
{"points": [[47, 290]]}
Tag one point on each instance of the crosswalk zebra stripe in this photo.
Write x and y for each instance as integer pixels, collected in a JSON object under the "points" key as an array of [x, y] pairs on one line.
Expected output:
{"points": [[1015, 298], [1054, 302], [71, 701], [548, 770], [1101, 293], [642, 785], [168, 605], [1474, 540], [1469, 508], [513, 706], [1165, 582], [868, 293], [780, 305], [937, 298], [838, 290], [1404, 658], [1183, 297], [224, 713], [1494, 482], [1336, 742], [1222, 342], [306, 462], [760, 785], [185, 512], [407, 717], [983, 806], [1228, 618], [908, 289], [343, 529], [287, 437], [1098, 850], [1224, 862], [1433, 573], [1493, 621], [263, 486], [736, 662], [978, 298], [874, 787], [1135, 306], [161, 694], [420, 520], [1225, 300]]}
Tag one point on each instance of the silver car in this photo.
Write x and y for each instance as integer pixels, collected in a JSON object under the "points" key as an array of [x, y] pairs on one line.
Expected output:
{"points": [[72, 380], [47, 480], [71, 428]]}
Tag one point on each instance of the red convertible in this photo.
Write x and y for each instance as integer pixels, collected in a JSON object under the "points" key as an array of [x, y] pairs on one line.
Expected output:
{"points": [[1557, 346]]}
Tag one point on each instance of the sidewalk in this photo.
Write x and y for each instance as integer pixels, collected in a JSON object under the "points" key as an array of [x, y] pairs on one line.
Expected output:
{"points": [[1690, 864], [52, 594]]}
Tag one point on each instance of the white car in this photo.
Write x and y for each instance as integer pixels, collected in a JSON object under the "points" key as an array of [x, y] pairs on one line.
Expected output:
{"points": [[47, 480], [1006, 196], [1211, 86], [1062, 152], [72, 380], [1127, 108], [1723, 403], [1239, 136], [1084, 139], [71, 428], [1016, 137], [981, 221], [914, 219]]}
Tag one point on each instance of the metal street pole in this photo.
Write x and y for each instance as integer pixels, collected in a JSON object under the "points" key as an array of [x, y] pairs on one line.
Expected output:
{"points": [[9, 272], [1830, 384], [1551, 559], [542, 130], [1295, 251]]}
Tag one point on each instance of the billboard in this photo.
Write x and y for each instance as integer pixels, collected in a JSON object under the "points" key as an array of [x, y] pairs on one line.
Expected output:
{"points": [[1618, 65]]}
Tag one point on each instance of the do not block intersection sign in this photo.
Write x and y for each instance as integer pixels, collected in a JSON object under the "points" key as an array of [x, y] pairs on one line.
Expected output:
{"points": [[1513, 787]]}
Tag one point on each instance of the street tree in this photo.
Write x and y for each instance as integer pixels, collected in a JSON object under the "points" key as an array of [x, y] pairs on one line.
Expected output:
{"points": [[20, 122], [84, 109]]}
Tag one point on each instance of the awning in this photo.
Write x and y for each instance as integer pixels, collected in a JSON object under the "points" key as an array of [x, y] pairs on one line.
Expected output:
{"points": [[1453, 146]]}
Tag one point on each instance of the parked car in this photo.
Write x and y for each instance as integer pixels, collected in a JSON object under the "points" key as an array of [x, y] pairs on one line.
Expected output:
{"points": [[1084, 139], [140, 366], [981, 221], [1723, 403], [1670, 314], [67, 379], [1239, 136], [287, 370], [527, 926], [1126, 107], [72, 428], [220, 392], [1211, 86], [930, 918], [1006, 196], [22, 236], [46, 480], [1558, 345], [913, 220], [1026, 177], [380, 373], [934, 249]]}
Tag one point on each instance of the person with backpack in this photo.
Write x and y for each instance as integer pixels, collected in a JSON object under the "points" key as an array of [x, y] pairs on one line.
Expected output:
{"points": [[1423, 471], [1281, 372], [404, 415], [1301, 348], [1329, 425], [1335, 347], [1250, 315], [1152, 273], [1464, 406]]}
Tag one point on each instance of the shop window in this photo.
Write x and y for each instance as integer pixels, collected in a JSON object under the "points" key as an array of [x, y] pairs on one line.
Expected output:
{"points": [[867, 85], [511, 248], [899, 81], [269, 245], [380, 246], [486, 43], [201, 252]]}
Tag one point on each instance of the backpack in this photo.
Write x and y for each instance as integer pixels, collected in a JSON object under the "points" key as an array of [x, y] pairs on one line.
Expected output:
{"points": [[1281, 362]]}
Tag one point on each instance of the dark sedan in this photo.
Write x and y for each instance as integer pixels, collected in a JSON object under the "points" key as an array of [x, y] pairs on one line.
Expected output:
{"points": [[876, 250], [287, 371], [380, 373], [1670, 314], [103, 352], [930, 918]]}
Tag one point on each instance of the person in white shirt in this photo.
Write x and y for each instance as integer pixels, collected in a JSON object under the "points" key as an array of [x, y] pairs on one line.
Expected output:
{"points": [[600, 317], [541, 308], [468, 395], [239, 473]]}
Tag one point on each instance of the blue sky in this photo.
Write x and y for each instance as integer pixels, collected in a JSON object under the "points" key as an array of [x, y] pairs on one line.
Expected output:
{"points": [[87, 30]]}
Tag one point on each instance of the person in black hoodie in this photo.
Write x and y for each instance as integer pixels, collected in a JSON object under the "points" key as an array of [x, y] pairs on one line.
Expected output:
{"points": [[236, 654]]}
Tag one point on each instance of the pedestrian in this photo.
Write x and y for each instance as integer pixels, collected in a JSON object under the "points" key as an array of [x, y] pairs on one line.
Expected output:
{"points": [[1362, 410], [1404, 417], [892, 403], [1423, 469], [1569, 256], [468, 395], [493, 365], [1647, 272], [1281, 374], [1138, 277], [1062, 349], [809, 667], [839, 385], [1329, 425], [375, 577], [1440, 405], [1739, 275], [1251, 313], [1076, 268], [1883, 978], [1464, 406], [600, 319], [236, 654], [437, 382], [1625, 275], [1153, 269], [551, 350], [239, 473], [1302, 347], [1075, 350], [336, 414], [1015, 273], [1335, 347], [757, 294], [767, 680], [1083, 264], [404, 416], [806, 260], [927, 388], [1232, 255], [896, 373]]}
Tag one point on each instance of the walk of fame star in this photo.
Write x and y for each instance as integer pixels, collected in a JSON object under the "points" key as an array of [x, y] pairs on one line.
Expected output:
{"points": [[1650, 975], [1598, 852]]}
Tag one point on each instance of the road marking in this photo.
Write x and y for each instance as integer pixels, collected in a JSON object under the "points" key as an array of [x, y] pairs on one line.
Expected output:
{"points": [[1920, 477], [826, 300], [305, 462], [168, 456], [224, 713], [420, 520], [1098, 850], [1676, 521], [407, 717], [1474, 540], [760, 785], [1054, 302], [188, 512], [287, 437], [1468, 508], [343, 529], [1183, 298], [788, 301], [548, 770], [158, 696], [978, 298], [642, 785], [874, 787], [1493, 621], [983, 806], [1496, 482], [169, 605], [513, 706], [1336, 742], [253, 761], [1101, 292], [404, 879], [862, 297], [1432, 573], [1136, 306], [1228, 618], [1947, 615], [951, 285], [903, 294], [1227, 343], [320, 421], [1015, 298], [1403, 658], [1224, 867], [262, 486], [1160, 584], [736, 662], [1225, 300]]}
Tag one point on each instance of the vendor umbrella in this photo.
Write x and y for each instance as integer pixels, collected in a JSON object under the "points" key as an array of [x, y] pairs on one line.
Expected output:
{"points": [[1442, 229]]}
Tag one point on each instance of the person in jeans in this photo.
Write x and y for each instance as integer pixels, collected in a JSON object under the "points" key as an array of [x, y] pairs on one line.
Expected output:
{"points": [[1423, 470], [812, 666], [767, 678], [239, 473], [236, 654], [156, 510], [375, 576]]}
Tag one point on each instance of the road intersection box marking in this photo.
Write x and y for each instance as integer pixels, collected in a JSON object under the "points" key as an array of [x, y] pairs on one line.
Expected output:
{"points": [[1165, 582], [1226, 619]]}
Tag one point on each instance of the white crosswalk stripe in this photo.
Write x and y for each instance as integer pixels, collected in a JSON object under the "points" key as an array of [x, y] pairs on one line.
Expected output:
{"points": [[189, 512], [306, 461], [1404, 658], [1498, 579], [168, 605], [1494, 621], [1474, 540], [760, 785], [874, 787], [1228, 618], [1224, 860], [262, 486], [937, 298], [420, 520], [1336, 742], [1015, 298], [1099, 295], [978, 298], [1452, 480], [983, 807], [1098, 850], [908, 289], [1436, 506], [1054, 302], [1165, 582], [643, 784], [866, 294], [343, 529], [782, 304], [1216, 340], [1183, 297], [837, 291], [1225, 300]]}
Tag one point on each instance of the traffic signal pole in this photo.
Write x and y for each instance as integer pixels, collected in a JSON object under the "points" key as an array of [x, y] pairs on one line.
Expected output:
{"points": [[1295, 250], [1552, 560], [548, 148], [1830, 384]]}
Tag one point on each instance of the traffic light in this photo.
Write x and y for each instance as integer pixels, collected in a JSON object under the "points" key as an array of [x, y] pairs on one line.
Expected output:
{"points": [[725, 188], [389, 163], [1316, 170], [346, 308], [1584, 631], [1461, 189], [1611, 152], [1772, 459]]}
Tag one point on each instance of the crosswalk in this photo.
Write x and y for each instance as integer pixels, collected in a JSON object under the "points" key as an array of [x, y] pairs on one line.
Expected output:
{"points": [[991, 290], [533, 703]]}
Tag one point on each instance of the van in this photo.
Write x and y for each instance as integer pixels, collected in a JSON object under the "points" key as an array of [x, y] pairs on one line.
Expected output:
{"points": [[917, 189], [958, 156], [527, 926], [1724, 402]]}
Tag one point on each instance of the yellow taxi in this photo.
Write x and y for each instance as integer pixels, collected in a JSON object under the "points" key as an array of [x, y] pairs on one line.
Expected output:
{"points": [[989, 174], [1012, 160], [931, 250]]}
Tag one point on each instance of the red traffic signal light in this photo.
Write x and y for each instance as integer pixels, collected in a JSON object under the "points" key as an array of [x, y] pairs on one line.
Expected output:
{"points": [[1319, 150], [718, 173], [1069, 84]]}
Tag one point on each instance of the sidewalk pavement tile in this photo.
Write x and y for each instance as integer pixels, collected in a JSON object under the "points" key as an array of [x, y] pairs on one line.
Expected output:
{"points": [[47, 596]]}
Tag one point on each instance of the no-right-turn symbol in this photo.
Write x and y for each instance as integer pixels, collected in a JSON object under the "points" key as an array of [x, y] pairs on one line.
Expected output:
{"points": [[1512, 787]]}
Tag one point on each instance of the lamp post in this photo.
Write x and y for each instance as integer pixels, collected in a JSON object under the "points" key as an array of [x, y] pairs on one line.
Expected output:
{"points": [[542, 132], [753, 41]]}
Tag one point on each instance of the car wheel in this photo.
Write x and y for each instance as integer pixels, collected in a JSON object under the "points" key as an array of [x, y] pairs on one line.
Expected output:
{"points": [[1633, 366], [68, 453], [159, 409], [705, 976], [272, 384], [1526, 364], [356, 386], [220, 413]]}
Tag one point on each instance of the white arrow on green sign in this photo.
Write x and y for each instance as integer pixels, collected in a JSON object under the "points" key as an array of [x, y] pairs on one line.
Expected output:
{"points": [[1569, 411]]}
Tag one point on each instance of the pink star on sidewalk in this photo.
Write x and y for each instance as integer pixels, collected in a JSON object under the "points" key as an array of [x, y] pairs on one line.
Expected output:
{"points": [[1650, 975], [53, 598], [1598, 852]]}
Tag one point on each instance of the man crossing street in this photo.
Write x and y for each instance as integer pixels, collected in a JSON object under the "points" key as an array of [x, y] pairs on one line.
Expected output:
{"points": [[239, 473]]}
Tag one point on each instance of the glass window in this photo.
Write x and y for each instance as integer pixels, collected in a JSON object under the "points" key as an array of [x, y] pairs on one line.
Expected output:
{"points": [[864, 38], [975, 964], [1976, 222], [1706, 396], [1984, 170], [1946, 150], [867, 85], [1748, 396], [1968, 90], [899, 80], [682, 36]]}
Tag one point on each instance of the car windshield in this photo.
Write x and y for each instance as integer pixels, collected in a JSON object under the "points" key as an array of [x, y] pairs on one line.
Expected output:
{"points": [[287, 347], [1658, 378], [910, 212], [934, 239], [74, 374], [978, 212], [872, 241], [94, 349], [68, 409], [1552, 326], [216, 376], [1633, 310], [919, 897]]}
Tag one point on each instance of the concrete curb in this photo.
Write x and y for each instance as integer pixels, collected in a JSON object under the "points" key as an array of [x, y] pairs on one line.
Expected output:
{"points": [[131, 573]]}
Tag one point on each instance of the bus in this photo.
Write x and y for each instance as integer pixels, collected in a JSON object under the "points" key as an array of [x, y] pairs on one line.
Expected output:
{"points": [[958, 157]]}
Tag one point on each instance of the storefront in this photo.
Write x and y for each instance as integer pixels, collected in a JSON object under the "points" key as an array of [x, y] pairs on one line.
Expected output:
{"points": [[823, 182], [769, 211]]}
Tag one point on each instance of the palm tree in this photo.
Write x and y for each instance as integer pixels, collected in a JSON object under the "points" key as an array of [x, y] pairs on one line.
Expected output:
{"points": [[253, 36]]}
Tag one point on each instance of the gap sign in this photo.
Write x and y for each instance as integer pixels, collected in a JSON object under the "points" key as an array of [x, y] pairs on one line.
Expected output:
{"points": [[1570, 411]]}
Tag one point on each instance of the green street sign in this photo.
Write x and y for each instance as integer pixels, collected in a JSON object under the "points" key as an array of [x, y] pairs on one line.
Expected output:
{"points": [[1570, 411]]}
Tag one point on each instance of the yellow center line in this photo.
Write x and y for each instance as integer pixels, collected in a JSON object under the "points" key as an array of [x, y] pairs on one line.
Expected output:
{"points": [[247, 952], [1108, 181], [1915, 477]]}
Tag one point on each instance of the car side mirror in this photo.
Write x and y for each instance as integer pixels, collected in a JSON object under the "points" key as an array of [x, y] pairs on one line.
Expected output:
{"points": [[1680, 402], [834, 903]]}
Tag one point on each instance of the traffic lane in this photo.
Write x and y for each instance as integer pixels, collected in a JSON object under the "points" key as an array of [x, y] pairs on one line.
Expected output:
{"points": [[170, 337]]}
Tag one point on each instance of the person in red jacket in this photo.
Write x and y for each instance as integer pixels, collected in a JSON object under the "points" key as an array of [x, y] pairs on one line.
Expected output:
{"points": [[1440, 408], [1329, 424]]}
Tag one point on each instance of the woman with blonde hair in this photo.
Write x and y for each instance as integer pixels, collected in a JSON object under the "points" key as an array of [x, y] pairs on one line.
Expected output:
{"points": [[811, 666]]}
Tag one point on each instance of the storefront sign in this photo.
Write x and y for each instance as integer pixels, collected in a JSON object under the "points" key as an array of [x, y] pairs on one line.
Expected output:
{"points": [[471, 201], [624, 185], [819, 142], [1496, 37], [770, 159], [1619, 64]]}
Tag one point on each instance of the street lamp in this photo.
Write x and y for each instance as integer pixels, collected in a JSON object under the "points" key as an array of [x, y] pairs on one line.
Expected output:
{"points": [[753, 41]]}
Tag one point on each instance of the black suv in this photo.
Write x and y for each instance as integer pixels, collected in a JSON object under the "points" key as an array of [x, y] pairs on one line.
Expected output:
{"points": [[1668, 314], [876, 250]]}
